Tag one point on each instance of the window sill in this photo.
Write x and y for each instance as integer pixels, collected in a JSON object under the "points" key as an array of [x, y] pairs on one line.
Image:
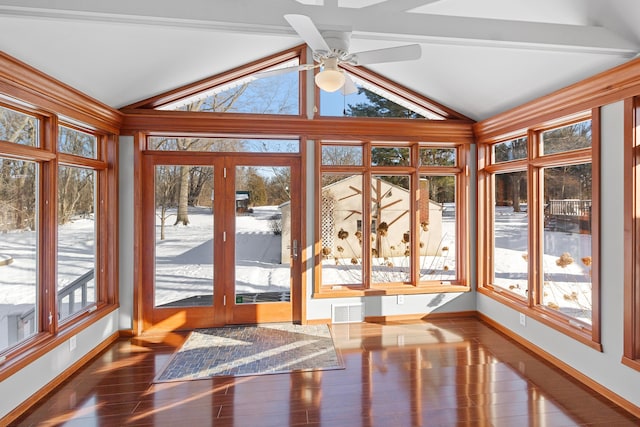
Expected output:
{"points": [[41, 344], [345, 292], [631, 363], [557, 322]]}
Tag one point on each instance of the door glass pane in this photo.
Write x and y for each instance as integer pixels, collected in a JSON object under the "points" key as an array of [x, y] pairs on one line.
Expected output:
{"points": [[262, 234], [390, 229], [567, 241], [76, 240], [437, 222], [511, 225], [18, 251], [183, 236], [342, 230]]}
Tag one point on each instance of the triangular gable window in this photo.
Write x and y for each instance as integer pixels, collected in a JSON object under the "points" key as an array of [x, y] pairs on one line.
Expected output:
{"points": [[241, 90], [379, 97], [276, 94], [249, 90]]}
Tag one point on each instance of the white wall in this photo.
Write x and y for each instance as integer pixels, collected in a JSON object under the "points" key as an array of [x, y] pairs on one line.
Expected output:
{"points": [[23, 384], [603, 367], [125, 236]]}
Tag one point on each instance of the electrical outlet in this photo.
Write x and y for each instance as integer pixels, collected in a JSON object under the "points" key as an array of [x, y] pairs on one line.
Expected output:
{"points": [[523, 319], [72, 343], [400, 299]]}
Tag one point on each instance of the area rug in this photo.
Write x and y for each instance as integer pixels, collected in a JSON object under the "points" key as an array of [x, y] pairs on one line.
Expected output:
{"points": [[252, 350]]}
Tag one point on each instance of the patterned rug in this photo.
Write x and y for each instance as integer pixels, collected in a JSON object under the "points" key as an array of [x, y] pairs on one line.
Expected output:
{"points": [[252, 350]]}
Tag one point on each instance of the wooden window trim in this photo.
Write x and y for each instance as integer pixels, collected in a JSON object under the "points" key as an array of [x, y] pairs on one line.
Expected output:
{"points": [[531, 305], [631, 346], [366, 288], [28, 90]]}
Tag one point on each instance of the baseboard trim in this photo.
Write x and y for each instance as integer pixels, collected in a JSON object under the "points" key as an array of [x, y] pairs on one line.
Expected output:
{"points": [[418, 316], [402, 317], [126, 333], [568, 369], [49, 387]]}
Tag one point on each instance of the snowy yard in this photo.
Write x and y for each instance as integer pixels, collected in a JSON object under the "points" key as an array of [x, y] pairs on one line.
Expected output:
{"points": [[184, 260]]}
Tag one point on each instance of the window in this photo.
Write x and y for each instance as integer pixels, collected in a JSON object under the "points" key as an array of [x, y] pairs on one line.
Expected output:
{"points": [[375, 100], [19, 247], [222, 145], [18, 127], [253, 94], [372, 235], [76, 239], [53, 227], [268, 86], [540, 198]]}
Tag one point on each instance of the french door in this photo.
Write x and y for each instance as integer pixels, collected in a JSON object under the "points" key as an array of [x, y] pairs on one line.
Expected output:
{"points": [[220, 241]]}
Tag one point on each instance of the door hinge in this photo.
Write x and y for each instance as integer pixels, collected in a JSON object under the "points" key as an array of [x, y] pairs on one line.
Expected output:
{"points": [[224, 172], [224, 236], [50, 318], [224, 300]]}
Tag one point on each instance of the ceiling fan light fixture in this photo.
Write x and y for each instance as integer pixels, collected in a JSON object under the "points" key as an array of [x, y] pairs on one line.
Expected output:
{"points": [[330, 79]]}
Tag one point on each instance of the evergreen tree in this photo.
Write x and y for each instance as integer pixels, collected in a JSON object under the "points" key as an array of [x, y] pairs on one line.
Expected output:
{"points": [[378, 106]]}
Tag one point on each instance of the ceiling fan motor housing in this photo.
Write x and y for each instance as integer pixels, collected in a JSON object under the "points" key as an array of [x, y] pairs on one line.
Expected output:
{"points": [[339, 42]]}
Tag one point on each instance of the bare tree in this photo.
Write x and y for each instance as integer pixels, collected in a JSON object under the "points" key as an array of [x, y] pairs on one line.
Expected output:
{"points": [[166, 193]]}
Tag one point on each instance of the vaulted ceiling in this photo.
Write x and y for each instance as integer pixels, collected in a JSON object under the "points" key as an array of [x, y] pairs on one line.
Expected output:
{"points": [[479, 57]]}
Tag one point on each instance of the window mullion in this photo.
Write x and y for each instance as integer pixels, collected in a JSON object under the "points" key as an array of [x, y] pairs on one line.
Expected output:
{"points": [[366, 227], [48, 229]]}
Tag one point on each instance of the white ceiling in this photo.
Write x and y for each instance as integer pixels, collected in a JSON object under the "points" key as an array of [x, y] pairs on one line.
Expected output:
{"points": [[480, 57]]}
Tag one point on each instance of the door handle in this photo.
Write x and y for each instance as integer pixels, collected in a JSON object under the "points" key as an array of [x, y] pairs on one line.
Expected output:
{"points": [[294, 251]]}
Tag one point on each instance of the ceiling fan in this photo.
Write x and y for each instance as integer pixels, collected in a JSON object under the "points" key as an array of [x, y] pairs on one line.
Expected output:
{"points": [[331, 48]]}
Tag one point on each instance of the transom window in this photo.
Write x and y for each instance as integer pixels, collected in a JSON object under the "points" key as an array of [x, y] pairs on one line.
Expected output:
{"points": [[223, 145]]}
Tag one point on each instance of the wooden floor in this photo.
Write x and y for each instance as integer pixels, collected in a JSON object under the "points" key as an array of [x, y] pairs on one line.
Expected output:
{"points": [[457, 372]]}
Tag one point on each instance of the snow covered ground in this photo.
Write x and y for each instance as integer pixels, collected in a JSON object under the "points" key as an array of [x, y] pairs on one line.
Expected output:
{"points": [[566, 264], [184, 260], [345, 271]]}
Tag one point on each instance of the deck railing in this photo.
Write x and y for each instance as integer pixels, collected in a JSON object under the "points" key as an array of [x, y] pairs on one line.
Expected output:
{"points": [[570, 207], [23, 325]]}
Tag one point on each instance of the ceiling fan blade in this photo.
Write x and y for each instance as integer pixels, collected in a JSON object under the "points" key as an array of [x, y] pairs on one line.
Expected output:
{"points": [[391, 54], [304, 26], [349, 85], [280, 71]]}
